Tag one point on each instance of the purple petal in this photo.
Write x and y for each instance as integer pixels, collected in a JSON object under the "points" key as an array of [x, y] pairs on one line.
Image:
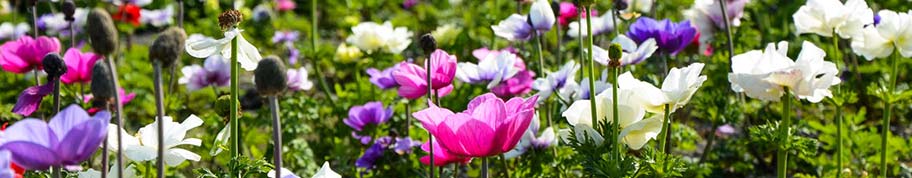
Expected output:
{"points": [[30, 99], [32, 156]]}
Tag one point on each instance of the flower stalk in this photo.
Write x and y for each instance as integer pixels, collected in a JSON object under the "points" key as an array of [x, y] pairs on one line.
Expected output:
{"points": [[233, 107], [276, 135], [784, 135], [591, 71], [160, 112], [484, 167], [728, 32], [888, 110], [837, 59], [666, 128]]}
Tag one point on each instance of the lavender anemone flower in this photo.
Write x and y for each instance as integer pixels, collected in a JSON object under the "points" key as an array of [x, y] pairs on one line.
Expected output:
{"points": [[383, 79], [72, 136], [285, 36], [30, 98], [555, 80], [297, 79], [6, 165], [214, 72], [514, 28], [370, 156], [533, 139], [671, 37], [404, 145], [158, 18], [370, 113], [600, 85], [493, 68]]}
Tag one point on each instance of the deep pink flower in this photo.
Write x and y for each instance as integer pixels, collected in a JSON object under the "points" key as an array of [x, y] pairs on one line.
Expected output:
{"points": [[79, 66], [519, 84], [26, 53], [285, 5], [569, 12], [441, 155], [488, 127], [413, 78]]}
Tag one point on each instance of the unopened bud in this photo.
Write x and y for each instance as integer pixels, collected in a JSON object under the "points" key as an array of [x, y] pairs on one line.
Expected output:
{"points": [[102, 83], [620, 5], [102, 34], [230, 19], [54, 65], [270, 76], [615, 52], [168, 47], [428, 43], [555, 7], [69, 8]]}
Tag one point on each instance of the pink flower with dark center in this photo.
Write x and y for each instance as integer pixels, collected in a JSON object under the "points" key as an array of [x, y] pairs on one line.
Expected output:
{"points": [[25, 54]]}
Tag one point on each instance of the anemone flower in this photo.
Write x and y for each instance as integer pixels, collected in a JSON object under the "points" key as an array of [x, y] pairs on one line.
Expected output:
{"points": [[707, 18], [370, 156], [30, 99], [670, 37], [345, 53], [158, 18], [600, 25], [442, 156], [298, 80], [488, 127], [144, 145], [6, 163], [493, 69], [634, 7], [371, 113], [371, 37], [879, 41], [383, 79], [822, 17], [567, 12], [79, 66], [541, 16], [601, 84], [200, 46], [635, 132], [764, 75], [214, 72], [404, 145], [556, 81], [677, 88], [56, 23], [324, 172], [285, 5], [9, 31], [124, 99], [533, 139], [26, 53], [72, 136], [633, 53], [412, 78], [129, 13], [519, 84], [129, 172], [514, 28]]}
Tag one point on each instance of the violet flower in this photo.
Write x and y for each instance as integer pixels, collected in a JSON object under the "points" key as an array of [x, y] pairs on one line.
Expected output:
{"points": [[79, 66], [158, 18], [72, 136], [364, 139], [556, 80], [495, 67], [671, 37], [30, 98], [26, 53], [383, 79], [6, 164], [370, 156], [370, 113], [600, 85], [533, 139], [297, 79], [404, 145], [514, 28], [214, 72]]}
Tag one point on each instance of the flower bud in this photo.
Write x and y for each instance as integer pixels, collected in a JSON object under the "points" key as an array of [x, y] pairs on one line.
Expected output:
{"points": [[168, 47], [555, 7], [270, 76], [102, 83], [614, 53], [620, 4], [230, 19], [54, 65], [102, 34], [69, 8], [428, 43]]}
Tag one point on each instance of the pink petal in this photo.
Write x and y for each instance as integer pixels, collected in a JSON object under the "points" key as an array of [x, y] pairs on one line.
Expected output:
{"points": [[431, 117]]}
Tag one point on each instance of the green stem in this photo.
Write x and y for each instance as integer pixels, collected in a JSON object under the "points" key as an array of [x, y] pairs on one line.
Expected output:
{"points": [[541, 54], [728, 32], [615, 122], [784, 135], [233, 108], [888, 109], [591, 73], [430, 95], [837, 58], [484, 167], [666, 124]]}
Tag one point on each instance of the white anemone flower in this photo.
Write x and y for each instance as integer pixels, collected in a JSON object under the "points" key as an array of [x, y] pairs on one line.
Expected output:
{"points": [[632, 53], [144, 145], [822, 17], [494, 68], [324, 172], [533, 138], [630, 115], [200, 46], [557, 81], [129, 172], [541, 16], [879, 41], [765, 75], [601, 24], [678, 87], [371, 37]]}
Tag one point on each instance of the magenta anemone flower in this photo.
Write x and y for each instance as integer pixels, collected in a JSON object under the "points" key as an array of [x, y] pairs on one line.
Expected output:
{"points": [[519, 84], [285, 5], [412, 78], [488, 127], [72, 136], [26, 53], [669, 36], [79, 66], [441, 155]]}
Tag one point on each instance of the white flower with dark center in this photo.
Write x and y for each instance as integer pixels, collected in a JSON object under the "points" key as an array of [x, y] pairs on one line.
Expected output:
{"points": [[144, 145], [372, 37], [200, 46]]}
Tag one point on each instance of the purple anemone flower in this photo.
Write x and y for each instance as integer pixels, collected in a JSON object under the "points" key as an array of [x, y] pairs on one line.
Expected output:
{"points": [[671, 37], [30, 98], [72, 136], [404, 145], [370, 113], [370, 156], [383, 79], [215, 72]]}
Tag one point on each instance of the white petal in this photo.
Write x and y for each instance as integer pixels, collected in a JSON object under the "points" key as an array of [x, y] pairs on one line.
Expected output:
{"points": [[326, 172], [638, 134], [248, 55], [176, 156], [200, 46]]}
